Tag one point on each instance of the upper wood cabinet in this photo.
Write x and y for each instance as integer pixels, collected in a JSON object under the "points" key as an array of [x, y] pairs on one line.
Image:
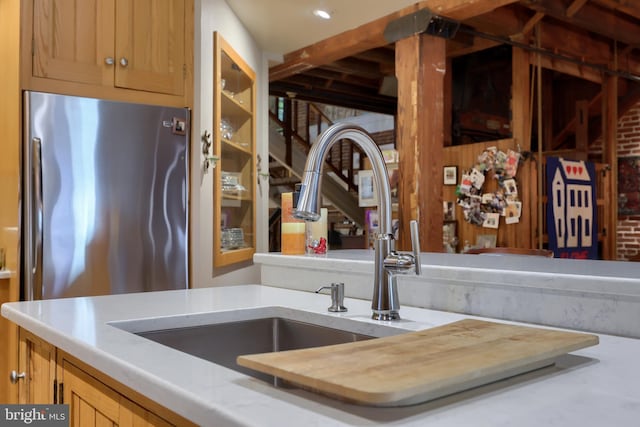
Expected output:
{"points": [[235, 173], [142, 45]]}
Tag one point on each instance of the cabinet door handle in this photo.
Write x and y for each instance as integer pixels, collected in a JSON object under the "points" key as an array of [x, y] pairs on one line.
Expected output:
{"points": [[15, 377], [124, 62], [109, 60]]}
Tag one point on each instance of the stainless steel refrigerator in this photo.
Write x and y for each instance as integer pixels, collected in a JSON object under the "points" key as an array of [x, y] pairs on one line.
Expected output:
{"points": [[105, 197]]}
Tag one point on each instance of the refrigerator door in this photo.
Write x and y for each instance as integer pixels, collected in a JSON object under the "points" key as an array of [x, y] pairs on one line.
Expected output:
{"points": [[106, 197]]}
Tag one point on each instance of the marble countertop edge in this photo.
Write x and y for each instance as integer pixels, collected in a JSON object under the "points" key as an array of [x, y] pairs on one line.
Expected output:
{"points": [[553, 281], [209, 394]]}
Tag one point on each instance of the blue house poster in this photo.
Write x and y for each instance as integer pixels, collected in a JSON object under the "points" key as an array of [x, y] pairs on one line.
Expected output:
{"points": [[571, 208]]}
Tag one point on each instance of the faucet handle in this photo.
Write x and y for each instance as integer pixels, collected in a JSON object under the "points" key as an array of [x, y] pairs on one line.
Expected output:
{"points": [[415, 245], [405, 262]]}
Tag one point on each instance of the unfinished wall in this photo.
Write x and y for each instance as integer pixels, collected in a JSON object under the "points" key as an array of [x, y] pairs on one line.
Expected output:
{"points": [[628, 146]]}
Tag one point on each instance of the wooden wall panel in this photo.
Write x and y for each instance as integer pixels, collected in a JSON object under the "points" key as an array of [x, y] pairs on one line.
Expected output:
{"points": [[9, 182], [507, 235]]}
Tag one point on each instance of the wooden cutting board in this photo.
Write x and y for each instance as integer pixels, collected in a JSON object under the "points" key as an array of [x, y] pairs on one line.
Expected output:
{"points": [[419, 366]]}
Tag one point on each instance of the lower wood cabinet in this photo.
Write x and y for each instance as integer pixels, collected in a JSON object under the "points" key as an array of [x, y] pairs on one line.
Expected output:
{"points": [[37, 369], [94, 399], [92, 403]]}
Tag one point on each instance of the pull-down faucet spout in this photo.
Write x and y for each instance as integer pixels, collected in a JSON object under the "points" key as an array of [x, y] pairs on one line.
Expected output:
{"points": [[385, 303]]}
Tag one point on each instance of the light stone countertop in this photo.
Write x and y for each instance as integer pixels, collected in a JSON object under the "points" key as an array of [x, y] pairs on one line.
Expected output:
{"points": [[592, 387], [5, 274], [594, 296]]}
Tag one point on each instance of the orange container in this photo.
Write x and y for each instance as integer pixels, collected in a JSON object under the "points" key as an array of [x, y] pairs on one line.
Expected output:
{"points": [[292, 237]]}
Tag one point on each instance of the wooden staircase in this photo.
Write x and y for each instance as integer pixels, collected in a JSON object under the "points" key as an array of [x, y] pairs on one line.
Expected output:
{"points": [[293, 127]]}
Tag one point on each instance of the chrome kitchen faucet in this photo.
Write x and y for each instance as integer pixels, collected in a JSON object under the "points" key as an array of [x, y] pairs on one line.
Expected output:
{"points": [[387, 263]]}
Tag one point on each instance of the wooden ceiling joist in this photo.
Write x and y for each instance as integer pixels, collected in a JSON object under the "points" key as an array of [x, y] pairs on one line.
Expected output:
{"points": [[529, 26], [575, 7], [630, 7], [593, 18], [370, 36], [352, 69]]}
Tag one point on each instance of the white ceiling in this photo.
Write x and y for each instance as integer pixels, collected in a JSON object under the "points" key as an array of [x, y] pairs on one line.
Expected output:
{"points": [[282, 26]]}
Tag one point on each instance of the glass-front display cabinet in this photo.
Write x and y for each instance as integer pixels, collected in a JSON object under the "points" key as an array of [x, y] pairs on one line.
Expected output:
{"points": [[234, 145]]}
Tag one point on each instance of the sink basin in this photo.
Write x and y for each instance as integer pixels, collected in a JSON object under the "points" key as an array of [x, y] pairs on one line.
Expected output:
{"points": [[220, 337], [222, 343]]}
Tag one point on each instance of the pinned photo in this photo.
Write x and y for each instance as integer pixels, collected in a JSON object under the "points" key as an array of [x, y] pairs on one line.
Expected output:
{"points": [[477, 178], [510, 187], [491, 220], [512, 212], [465, 184], [511, 163]]}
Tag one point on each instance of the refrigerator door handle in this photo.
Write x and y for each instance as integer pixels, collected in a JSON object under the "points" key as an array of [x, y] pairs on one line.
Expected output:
{"points": [[36, 245]]}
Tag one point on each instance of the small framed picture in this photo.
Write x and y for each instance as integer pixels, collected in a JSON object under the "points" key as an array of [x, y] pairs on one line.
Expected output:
{"points": [[450, 175], [367, 195], [486, 241], [449, 210]]}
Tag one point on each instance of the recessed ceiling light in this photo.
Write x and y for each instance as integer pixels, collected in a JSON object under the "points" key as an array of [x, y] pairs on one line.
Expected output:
{"points": [[322, 14]]}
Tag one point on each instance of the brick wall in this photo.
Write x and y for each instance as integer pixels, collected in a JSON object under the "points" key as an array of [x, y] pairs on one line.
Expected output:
{"points": [[629, 146]]}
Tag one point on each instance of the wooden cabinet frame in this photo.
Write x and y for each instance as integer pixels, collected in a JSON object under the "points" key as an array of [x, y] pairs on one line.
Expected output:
{"points": [[235, 146], [55, 377]]}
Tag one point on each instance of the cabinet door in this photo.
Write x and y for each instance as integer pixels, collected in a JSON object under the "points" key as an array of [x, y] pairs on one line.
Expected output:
{"points": [[150, 45], [92, 403], [36, 359], [73, 40], [135, 415]]}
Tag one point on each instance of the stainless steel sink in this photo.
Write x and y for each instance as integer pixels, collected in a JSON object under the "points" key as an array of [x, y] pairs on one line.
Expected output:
{"points": [[221, 339]]}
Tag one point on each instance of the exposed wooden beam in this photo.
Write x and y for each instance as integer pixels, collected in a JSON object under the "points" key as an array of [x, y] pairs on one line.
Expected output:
{"points": [[479, 44], [463, 9], [591, 18], [630, 7], [290, 181], [560, 38], [370, 35], [570, 128], [571, 69], [575, 7], [365, 102], [382, 55], [528, 27], [628, 97], [366, 69], [325, 74]]}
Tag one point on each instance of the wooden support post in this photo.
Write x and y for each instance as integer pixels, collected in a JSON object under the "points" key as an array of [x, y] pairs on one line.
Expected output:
{"points": [[582, 130], [522, 235], [547, 109], [448, 106], [288, 123], [610, 156], [307, 128], [420, 69]]}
